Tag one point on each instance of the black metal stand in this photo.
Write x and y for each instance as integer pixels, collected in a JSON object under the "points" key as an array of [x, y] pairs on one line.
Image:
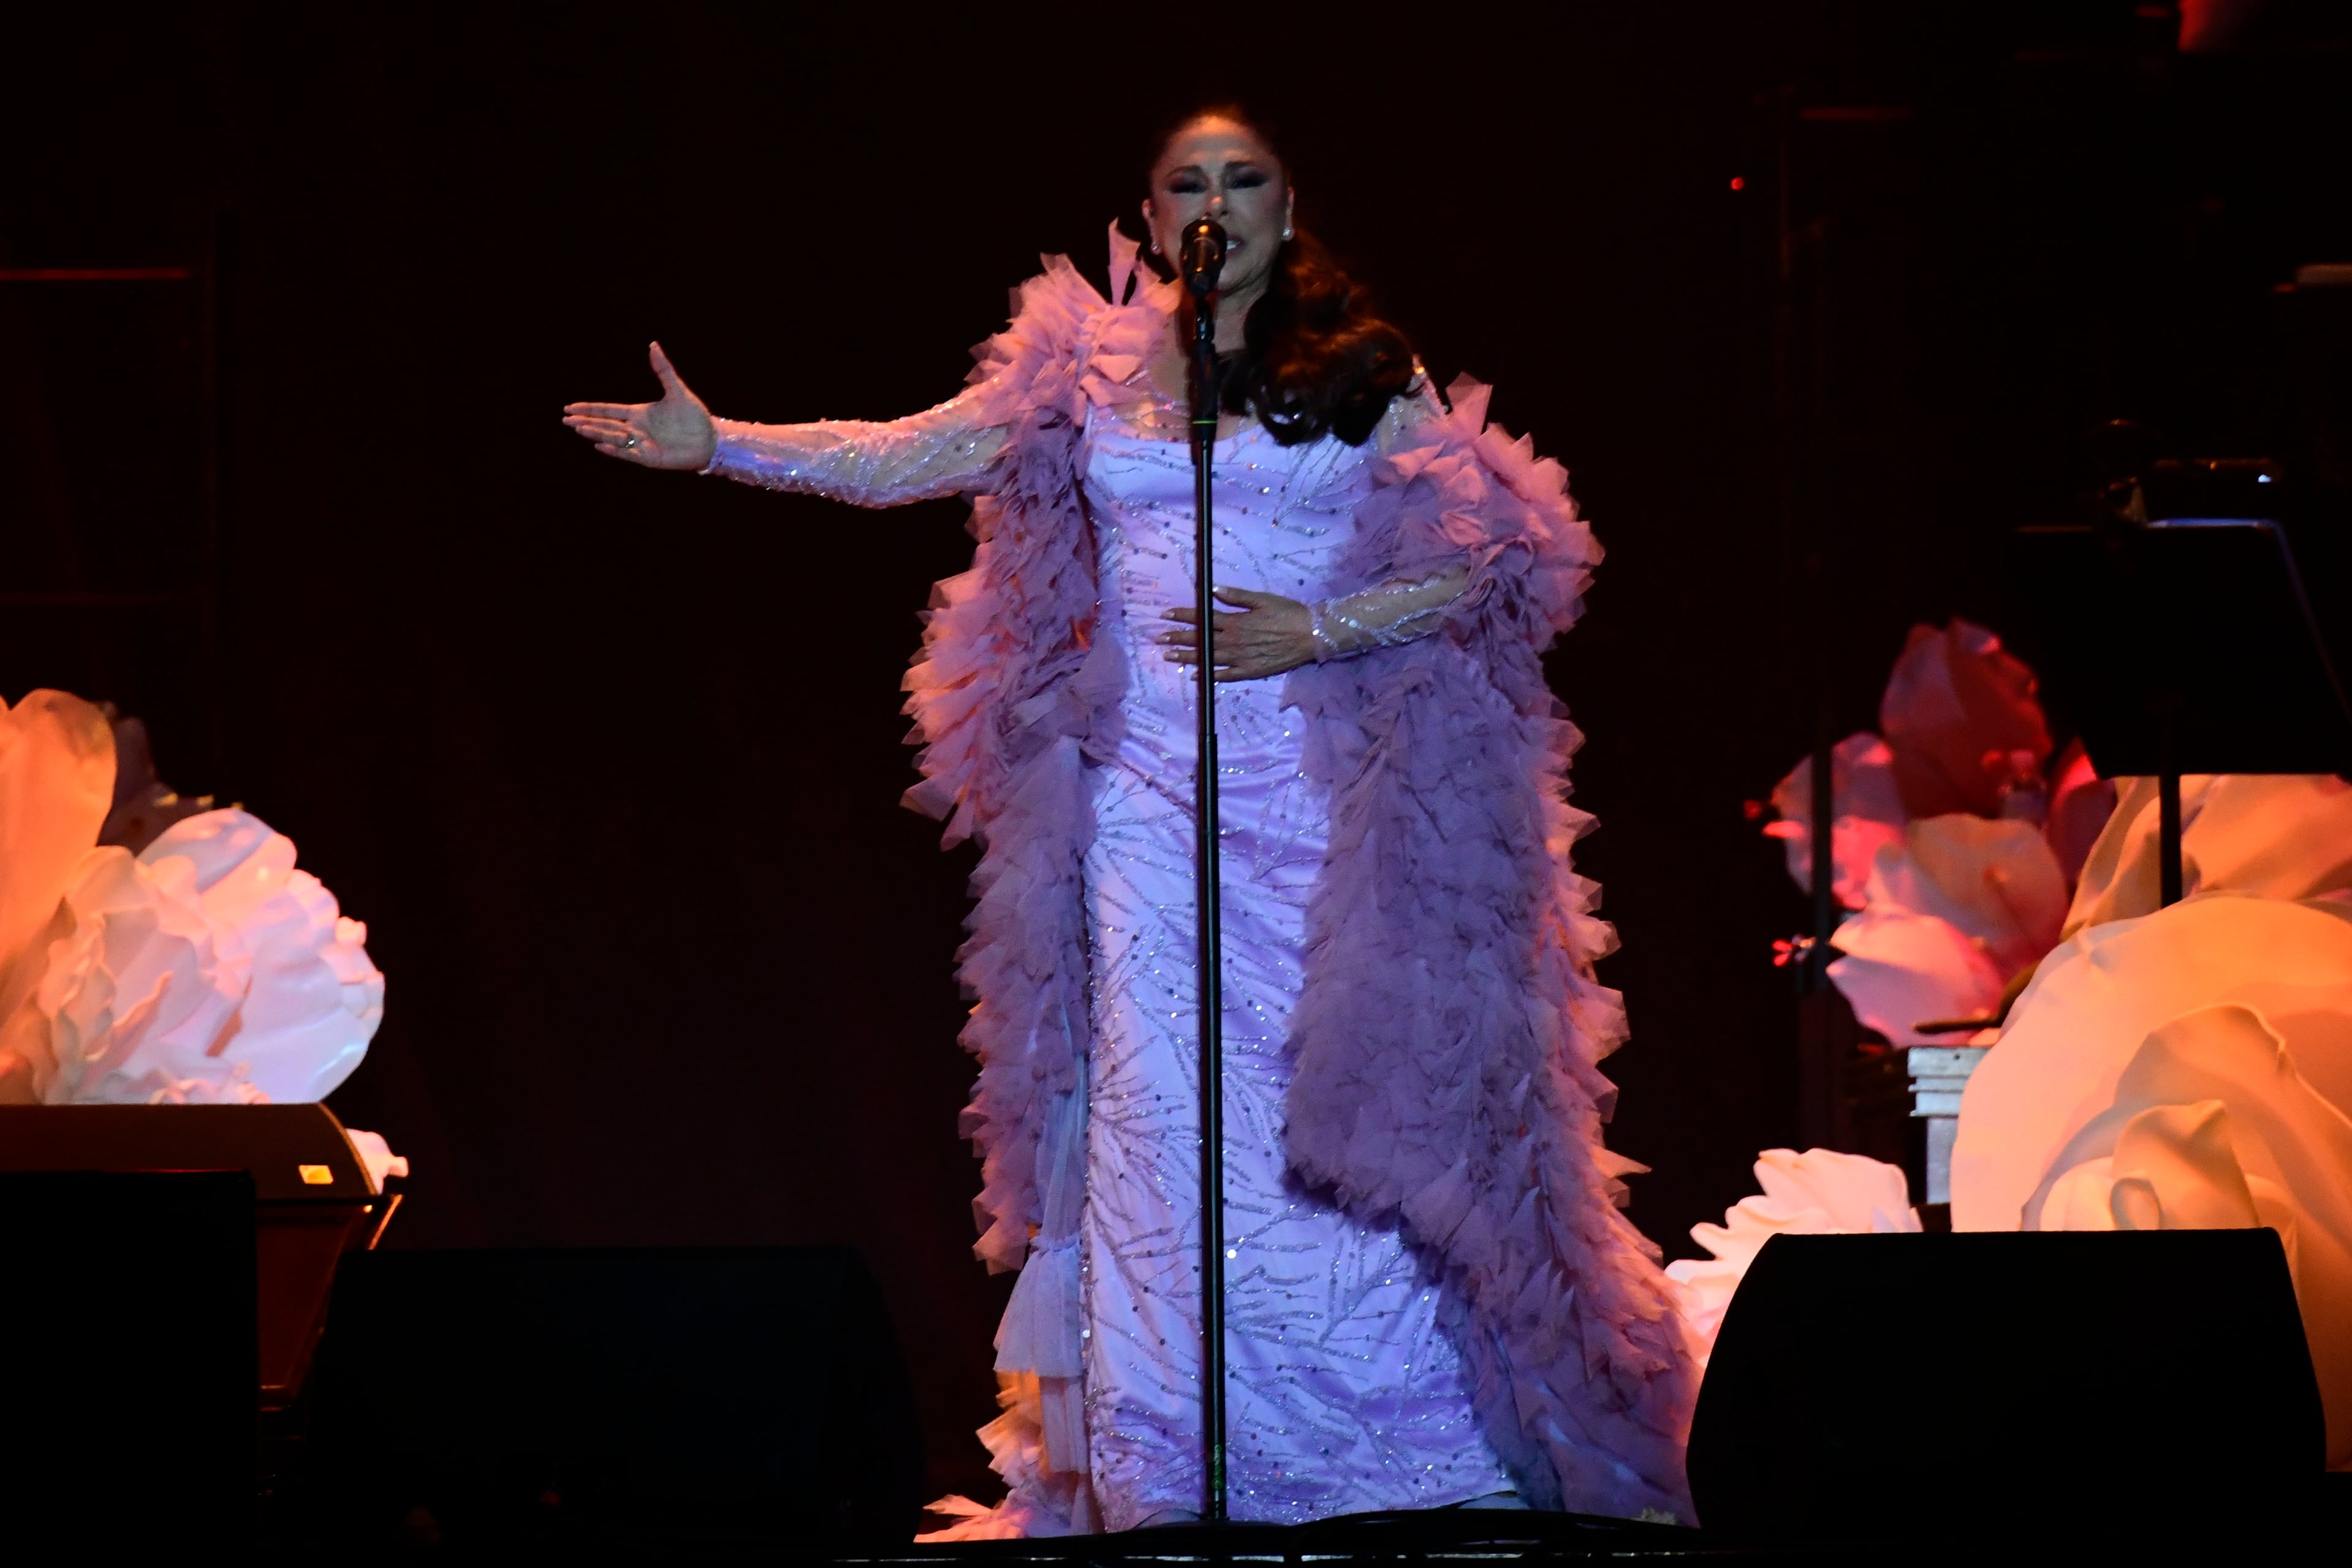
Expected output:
{"points": [[2185, 645], [1207, 891], [2168, 809]]}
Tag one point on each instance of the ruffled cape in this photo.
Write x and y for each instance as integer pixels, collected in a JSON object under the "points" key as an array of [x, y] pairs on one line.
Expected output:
{"points": [[1450, 1033]]}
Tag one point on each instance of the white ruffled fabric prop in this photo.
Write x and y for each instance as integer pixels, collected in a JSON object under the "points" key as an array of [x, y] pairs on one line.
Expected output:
{"points": [[2188, 1069], [207, 970], [1817, 1192]]}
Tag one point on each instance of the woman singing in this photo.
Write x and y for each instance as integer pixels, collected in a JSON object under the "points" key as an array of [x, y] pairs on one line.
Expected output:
{"points": [[1433, 1298]]}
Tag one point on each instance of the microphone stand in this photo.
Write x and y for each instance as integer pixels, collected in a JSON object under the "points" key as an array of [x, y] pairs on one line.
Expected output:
{"points": [[1203, 256]]}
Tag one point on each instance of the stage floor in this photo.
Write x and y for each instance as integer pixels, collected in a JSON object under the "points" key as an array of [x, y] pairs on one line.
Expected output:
{"points": [[2323, 1513], [1437, 1535]]}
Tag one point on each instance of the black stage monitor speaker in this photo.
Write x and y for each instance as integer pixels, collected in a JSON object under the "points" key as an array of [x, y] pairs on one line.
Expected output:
{"points": [[648, 1399], [128, 1409], [311, 1195], [1910, 1386]]}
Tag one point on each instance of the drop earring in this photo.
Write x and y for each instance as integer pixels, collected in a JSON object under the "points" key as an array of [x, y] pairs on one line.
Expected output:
{"points": [[1286, 235]]}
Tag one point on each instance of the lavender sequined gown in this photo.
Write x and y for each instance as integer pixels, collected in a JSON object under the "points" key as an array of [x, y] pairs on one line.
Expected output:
{"points": [[1344, 1395]]}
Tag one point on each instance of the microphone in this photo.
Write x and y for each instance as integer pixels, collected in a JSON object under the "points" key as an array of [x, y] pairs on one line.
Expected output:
{"points": [[1200, 256]]}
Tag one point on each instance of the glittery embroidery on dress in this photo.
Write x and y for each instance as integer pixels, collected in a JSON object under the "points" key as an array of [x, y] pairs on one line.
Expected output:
{"points": [[1344, 1396]]}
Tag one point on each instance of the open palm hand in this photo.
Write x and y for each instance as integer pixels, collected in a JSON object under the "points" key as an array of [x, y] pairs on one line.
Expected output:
{"points": [[675, 433]]}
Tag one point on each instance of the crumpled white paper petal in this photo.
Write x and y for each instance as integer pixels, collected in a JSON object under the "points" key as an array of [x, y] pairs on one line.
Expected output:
{"points": [[135, 1007], [209, 969], [1818, 1193], [376, 1155]]}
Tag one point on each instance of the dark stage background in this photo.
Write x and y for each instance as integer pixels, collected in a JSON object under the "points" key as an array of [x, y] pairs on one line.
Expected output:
{"points": [[608, 760]]}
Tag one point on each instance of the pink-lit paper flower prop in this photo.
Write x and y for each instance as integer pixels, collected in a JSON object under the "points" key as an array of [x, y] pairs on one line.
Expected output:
{"points": [[1817, 1192], [1962, 719], [1896, 968], [57, 780], [208, 970], [1867, 812], [1994, 882], [1952, 911]]}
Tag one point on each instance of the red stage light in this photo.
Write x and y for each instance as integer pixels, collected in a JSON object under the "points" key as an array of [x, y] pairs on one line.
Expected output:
{"points": [[1737, 184]]}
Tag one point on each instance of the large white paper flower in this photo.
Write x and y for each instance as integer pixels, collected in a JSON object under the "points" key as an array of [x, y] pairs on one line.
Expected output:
{"points": [[2279, 835], [209, 969], [2210, 1127], [2097, 999], [1817, 1192], [135, 1012]]}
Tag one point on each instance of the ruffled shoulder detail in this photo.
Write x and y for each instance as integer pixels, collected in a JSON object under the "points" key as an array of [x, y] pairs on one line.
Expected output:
{"points": [[1066, 346], [1065, 349], [1457, 487], [1140, 310], [1027, 365]]}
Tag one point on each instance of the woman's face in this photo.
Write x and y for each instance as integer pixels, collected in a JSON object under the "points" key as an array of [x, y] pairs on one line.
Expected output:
{"points": [[1217, 169]]}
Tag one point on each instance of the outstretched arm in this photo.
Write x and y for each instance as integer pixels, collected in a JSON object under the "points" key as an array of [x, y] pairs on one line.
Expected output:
{"points": [[942, 451]]}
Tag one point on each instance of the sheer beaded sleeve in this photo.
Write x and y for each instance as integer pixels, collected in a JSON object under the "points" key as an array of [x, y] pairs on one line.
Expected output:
{"points": [[1398, 611], [944, 451], [1407, 412], [1385, 616]]}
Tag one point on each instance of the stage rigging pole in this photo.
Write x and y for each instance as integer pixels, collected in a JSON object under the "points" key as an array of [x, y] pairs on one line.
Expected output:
{"points": [[1203, 258]]}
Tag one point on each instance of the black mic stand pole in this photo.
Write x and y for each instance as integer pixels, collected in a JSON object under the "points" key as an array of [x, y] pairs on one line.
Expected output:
{"points": [[1203, 257]]}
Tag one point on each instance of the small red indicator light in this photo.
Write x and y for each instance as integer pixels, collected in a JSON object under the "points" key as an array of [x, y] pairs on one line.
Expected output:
{"points": [[1737, 184]]}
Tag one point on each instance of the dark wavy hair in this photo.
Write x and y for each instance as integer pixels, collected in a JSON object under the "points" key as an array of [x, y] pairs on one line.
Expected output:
{"points": [[1314, 357]]}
